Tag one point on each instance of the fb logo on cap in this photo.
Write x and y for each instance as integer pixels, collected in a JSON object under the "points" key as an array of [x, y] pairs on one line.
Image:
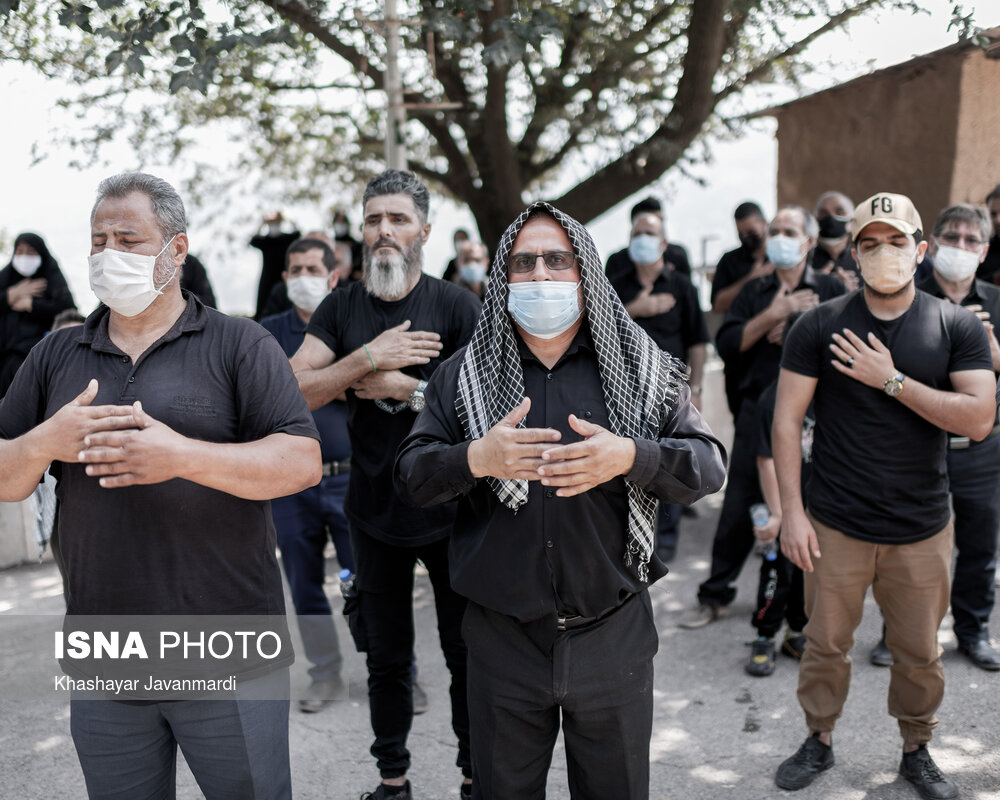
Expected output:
{"points": [[884, 202]]}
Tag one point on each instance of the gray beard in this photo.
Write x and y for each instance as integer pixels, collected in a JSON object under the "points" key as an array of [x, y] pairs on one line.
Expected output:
{"points": [[389, 277]]}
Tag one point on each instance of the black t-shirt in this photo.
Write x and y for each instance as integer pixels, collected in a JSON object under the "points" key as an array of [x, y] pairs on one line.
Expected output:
{"points": [[765, 421], [346, 320], [821, 260], [175, 547], [880, 473], [680, 328], [620, 263]]}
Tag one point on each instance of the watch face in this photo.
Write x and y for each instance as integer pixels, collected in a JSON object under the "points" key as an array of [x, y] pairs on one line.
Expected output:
{"points": [[417, 402], [893, 387]]}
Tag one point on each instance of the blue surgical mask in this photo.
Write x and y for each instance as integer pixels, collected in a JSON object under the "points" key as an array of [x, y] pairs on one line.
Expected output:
{"points": [[645, 248], [544, 308], [784, 251], [472, 272]]}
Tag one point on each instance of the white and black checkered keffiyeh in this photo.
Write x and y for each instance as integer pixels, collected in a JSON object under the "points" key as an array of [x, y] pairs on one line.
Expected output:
{"points": [[640, 381]]}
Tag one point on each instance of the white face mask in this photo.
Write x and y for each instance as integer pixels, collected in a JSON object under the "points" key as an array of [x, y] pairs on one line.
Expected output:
{"points": [[544, 308], [124, 281], [26, 265], [886, 268], [955, 264], [307, 291]]}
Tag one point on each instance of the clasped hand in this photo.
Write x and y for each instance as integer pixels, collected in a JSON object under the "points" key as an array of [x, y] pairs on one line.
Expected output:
{"points": [[513, 453]]}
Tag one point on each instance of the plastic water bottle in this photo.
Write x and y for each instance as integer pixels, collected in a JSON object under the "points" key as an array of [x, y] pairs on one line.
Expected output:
{"points": [[759, 515], [347, 588]]}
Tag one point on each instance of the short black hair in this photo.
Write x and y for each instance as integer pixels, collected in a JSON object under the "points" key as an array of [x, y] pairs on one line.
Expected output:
{"points": [[305, 244], [747, 209], [648, 206], [994, 194]]}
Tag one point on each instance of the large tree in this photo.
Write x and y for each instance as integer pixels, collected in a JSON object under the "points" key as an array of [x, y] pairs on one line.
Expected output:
{"points": [[584, 101]]}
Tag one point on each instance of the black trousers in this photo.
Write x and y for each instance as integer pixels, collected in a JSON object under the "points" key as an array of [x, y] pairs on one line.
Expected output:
{"points": [[597, 681], [974, 474], [385, 601], [779, 597], [734, 537]]}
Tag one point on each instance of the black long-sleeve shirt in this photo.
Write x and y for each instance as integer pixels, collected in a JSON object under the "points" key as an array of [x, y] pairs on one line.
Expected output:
{"points": [[560, 555]]}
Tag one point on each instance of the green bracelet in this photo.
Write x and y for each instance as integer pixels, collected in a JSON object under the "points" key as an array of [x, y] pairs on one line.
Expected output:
{"points": [[374, 368]]}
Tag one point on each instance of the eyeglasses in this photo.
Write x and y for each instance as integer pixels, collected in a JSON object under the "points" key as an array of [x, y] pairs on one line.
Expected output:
{"points": [[554, 260], [956, 239]]}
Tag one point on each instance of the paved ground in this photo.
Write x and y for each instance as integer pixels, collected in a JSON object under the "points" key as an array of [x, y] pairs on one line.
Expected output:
{"points": [[718, 733]]}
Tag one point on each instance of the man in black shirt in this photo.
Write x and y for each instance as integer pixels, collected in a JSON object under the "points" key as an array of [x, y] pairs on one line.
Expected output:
{"points": [[960, 239], [888, 368], [989, 270], [746, 262], [832, 254], [557, 429], [753, 332], [169, 426], [381, 339], [675, 257], [663, 303], [735, 268]]}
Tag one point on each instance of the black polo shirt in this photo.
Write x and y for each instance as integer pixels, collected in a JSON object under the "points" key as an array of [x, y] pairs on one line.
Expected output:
{"points": [[680, 328], [762, 362], [555, 554], [344, 321], [175, 547], [879, 468]]}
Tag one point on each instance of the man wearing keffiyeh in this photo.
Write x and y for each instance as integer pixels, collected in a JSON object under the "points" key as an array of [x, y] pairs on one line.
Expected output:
{"points": [[558, 428]]}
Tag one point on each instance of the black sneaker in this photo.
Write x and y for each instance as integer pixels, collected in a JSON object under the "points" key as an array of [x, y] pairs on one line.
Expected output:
{"points": [[760, 662], [794, 645], [919, 769], [880, 655], [386, 792], [811, 759]]}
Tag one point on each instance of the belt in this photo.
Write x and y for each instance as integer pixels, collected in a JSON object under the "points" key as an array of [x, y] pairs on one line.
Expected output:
{"points": [[964, 442], [331, 468]]}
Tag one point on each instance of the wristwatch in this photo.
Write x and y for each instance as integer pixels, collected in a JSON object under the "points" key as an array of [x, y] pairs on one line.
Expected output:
{"points": [[894, 385], [416, 400]]}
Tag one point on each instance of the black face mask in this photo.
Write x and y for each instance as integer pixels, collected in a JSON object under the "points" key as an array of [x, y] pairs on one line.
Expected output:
{"points": [[832, 227], [751, 241]]}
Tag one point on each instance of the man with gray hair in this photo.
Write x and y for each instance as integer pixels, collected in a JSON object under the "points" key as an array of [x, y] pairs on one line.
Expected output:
{"points": [[959, 244], [170, 426], [380, 340], [753, 333]]}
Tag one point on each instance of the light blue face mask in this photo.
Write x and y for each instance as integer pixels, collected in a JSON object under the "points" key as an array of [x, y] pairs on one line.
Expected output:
{"points": [[784, 251], [472, 272], [544, 308], [644, 248]]}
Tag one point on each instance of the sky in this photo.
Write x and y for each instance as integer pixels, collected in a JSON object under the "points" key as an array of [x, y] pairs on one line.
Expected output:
{"points": [[54, 200]]}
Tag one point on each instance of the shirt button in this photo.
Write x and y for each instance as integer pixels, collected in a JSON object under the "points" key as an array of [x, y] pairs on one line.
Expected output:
{"points": [[549, 543], [549, 494], [131, 378], [548, 377], [124, 359], [587, 414]]}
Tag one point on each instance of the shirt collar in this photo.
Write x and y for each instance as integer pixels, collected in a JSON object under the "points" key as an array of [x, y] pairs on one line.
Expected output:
{"points": [[95, 329], [580, 341], [931, 286], [806, 281]]}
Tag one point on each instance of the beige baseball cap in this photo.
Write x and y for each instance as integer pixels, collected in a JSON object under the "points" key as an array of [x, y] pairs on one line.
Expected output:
{"points": [[892, 209]]}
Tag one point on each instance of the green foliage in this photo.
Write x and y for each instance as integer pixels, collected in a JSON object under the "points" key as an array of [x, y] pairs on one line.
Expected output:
{"points": [[505, 97]]}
